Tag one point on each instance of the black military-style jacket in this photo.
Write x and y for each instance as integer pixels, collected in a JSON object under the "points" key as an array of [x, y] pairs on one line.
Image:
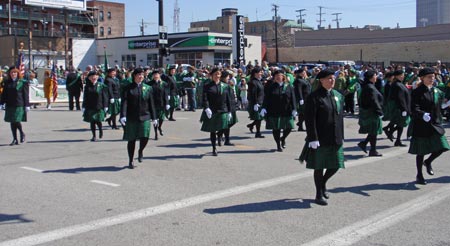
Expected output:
{"points": [[255, 92], [216, 97], [137, 103], [400, 95], [74, 84], [95, 96], [113, 87], [371, 98], [279, 101], [302, 89], [172, 84], [160, 93], [324, 117], [424, 100], [15, 93]]}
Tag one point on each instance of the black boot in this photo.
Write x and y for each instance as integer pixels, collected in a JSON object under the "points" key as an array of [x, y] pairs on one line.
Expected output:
{"points": [[140, 156]]}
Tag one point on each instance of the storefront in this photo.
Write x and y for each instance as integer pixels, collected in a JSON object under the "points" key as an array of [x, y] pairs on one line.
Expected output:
{"points": [[194, 48]]}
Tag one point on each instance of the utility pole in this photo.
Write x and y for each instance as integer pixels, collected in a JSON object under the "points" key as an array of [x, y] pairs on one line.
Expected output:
{"points": [[337, 19], [275, 8], [300, 17], [142, 26], [160, 24], [66, 39], [320, 18], [30, 39]]}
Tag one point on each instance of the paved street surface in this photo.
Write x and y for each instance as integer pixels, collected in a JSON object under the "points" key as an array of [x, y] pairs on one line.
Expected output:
{"points": [[61, 189]]}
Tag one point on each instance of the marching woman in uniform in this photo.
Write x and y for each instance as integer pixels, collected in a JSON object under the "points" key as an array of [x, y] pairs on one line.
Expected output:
{"points": [[400, 108], [15, 100], [114, 97], [255, 100], [302, 89], [174, 100], [137, 110], [160, 99], [225, 78], [325, 133], [428, 134], [279, 108], [371, 111], [216, 103], [95, 103]]}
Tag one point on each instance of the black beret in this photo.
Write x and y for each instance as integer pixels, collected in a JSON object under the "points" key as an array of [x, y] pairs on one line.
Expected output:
{"points": [[398, 72], [137, 71], [298, 71], [110, 70], [214, 70], [426, 71], [92, 73], [155, 72], [224, 74], [278, 71], [389, 74], [172, 67], [325, 73], [369, 74]]}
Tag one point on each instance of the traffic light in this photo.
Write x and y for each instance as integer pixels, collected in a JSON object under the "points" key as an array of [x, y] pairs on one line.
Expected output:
{"points": [[165, 51]]}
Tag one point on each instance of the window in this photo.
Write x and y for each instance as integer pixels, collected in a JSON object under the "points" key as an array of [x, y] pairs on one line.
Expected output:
{"points": [[109, 30], [102, 32], [188, 58], [109, 15], [100, 16], [222, 58], [128, 60], [152, 60]]}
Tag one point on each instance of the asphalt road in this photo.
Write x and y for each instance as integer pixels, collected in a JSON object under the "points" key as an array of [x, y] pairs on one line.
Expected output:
{"points": [[61, 189]]}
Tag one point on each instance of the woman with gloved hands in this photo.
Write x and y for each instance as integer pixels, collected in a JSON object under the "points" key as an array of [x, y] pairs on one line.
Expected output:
{"points": [[428, 134], [15, 101], [95, 103], [279, 108], [217, 104], [325, 132], [137, 110]]}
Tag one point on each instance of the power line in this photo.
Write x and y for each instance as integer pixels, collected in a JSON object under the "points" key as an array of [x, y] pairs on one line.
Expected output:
{"points": [[337, 19], [300, 16], [320, 20]]}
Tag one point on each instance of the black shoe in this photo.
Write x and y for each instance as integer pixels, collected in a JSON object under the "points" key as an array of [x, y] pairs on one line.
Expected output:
{"points": [[100, 135], [250, 127], [420, 180], [156, 136], [161, 132], [325, 193], [279, 149], [140, 157], [93, 139], [214, 153], [172, 119], [108, 121], [14, 142], [362, 146], [283, 143], [388, 134], [228, 143], [219, 141], [259, 135], [375, 153], [399, 144], [321, 201], [429, 168], [131, 165], [22, 138], [300, 129]]}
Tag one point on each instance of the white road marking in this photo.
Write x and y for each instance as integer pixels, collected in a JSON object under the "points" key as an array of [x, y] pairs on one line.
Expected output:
{"points": [[362, 229], [33, 169], [57, 234], [105, 183]]}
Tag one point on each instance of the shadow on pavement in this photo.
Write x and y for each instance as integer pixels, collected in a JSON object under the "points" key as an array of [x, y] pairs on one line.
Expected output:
{"points": [[171, 157], [13, 219], [356, 148], [59, 141], [231, 138], [87, 169], [187, 145], [73, 130], [365, 189], [258, 207], [255, 151]]}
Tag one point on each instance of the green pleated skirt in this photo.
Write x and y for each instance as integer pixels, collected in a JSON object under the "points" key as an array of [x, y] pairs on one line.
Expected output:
{"points": [[217, 122], [323, 157], [114, 108], [369, 123], [428, 145], [278, 123], [387, 110], [94, 115], [136, 129], [234, 120], [254, 115], [174, 102], [15, 114], [397, 118], [161, 114]]}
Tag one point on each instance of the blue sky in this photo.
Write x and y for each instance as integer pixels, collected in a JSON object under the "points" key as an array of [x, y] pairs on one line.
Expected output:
{"points": [[386, 13]]}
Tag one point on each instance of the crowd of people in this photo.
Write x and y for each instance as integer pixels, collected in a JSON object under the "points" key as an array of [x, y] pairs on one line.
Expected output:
{"points": [[140, 99]]}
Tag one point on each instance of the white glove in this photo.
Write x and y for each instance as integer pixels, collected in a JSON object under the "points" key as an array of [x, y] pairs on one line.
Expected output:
{"points": [[208, 113], [294, 113], [155, 123], [3, 106], [445, 105], [123, 120], [426, 117], [301, 102], [27, 109], [263, 112], [229, 117], [256, 107], [106, 109], [167, 107], [111, 100], [168, 97], [120, 100], [83, 109], [404, 113], [314, 144]]}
